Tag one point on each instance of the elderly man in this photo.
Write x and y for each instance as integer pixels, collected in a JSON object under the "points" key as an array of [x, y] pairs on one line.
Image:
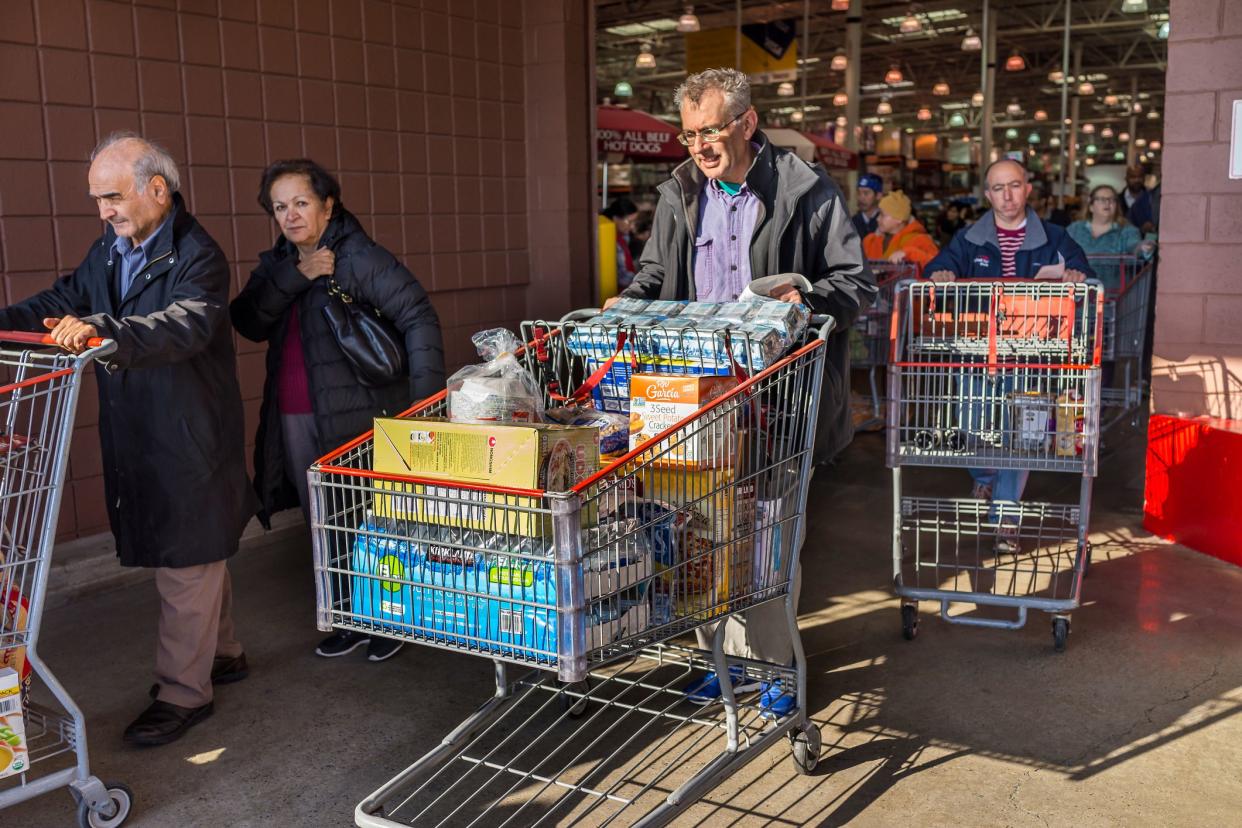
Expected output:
{"points": [[1009, 241], [740, 209], [170, 415]]}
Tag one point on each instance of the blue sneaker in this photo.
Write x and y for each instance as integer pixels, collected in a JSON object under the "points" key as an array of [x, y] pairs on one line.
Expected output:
{"points": [[707, 689], [775, 702]]}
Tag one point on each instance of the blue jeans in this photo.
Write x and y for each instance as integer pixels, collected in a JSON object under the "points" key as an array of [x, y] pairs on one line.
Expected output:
{"points": [[1007, 485]]}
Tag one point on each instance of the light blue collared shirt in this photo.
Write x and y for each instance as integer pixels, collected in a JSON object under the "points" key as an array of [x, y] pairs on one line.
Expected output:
{"points": [[133, 259]]}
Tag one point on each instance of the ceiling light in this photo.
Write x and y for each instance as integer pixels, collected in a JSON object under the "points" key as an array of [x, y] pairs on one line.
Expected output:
{"points": [[1069, 121], [1015, 62], [796, 116], [622, 90], [976, 99], [1143, 158], [1054, 141], [1056, 76], [1092, 149], [1140, 142], [895, 134], [956, 120], [1154, 145], [1086, 88], [971, 42], [884, 107], [1011, 133], [839, 62], [840, 99], [877, 128], [1119, 156], [1123, 137], [1152, 114], [1090, 162], [1110, 99], [785, 90], [688, 22], [1162, 31], [1088, 128], [941, 88], [1137, 108], [910, 25], [645, 59], [840, 5], [893, 76], [924, 114], [965, 139], [1041, 115], [842, 121], [1033, 138], [1106, 132], [1133, 6], [1014, 108]]}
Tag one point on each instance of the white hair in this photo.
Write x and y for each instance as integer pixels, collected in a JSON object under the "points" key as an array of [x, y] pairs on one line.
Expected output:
{"points": [[734, 85], [154, 160]]}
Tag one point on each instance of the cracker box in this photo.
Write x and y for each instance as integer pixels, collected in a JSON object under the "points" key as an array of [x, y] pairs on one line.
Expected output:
{"points": [[14, 757], [527, 456], [660, 401]]}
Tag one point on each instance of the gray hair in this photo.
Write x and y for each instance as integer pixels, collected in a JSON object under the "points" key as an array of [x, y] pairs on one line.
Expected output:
{"points": [[734, 85], [154, 160]]}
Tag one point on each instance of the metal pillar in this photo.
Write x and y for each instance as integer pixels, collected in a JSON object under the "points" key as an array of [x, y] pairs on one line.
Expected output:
{"points": [[737, 39], [805, 49], [1065, 72], [989, 93], [1130, 151], [853, 88], [1071, 147]]}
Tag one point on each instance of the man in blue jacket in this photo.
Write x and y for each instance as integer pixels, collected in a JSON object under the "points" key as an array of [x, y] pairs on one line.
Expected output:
{"points": [[1009, 241]]}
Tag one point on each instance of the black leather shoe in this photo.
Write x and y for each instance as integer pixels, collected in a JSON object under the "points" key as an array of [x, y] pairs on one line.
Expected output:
{"points": [[162, 723], [226, 670]]}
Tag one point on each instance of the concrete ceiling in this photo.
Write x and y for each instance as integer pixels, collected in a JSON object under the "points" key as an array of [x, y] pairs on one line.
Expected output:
{"points": [[1116, 48]]}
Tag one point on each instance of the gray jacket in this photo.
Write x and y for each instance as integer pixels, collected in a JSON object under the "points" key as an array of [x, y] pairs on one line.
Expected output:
{"points": [[803, 227]]}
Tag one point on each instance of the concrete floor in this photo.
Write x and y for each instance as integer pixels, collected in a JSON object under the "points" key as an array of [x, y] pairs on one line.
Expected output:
{"points": [[1136, 724]]}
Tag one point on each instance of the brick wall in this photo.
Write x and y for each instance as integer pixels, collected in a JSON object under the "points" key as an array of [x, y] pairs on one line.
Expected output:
{"points": [[1197, 367], [420, 107]]}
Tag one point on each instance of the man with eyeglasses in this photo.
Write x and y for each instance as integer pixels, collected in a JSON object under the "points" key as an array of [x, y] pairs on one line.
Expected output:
{"points": [[1009, 241], [170, 416], [738, 210]]}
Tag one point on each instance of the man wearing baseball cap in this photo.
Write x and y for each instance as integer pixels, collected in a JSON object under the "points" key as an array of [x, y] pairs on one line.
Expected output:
{"points": [[869, 188]]}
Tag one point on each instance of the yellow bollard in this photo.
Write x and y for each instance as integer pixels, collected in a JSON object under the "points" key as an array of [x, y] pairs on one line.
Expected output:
{"points": [[607, 272]]}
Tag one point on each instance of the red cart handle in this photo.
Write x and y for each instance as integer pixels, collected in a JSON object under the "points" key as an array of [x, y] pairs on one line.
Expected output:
{"points": [[29, 338]]}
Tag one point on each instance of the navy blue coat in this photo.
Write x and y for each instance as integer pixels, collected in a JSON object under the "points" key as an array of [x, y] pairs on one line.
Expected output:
{"points": [[974, 252]]}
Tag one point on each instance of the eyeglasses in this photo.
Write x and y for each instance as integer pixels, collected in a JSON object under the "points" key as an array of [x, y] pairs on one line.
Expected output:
{"points": [[710, 135], [1103, 200]]}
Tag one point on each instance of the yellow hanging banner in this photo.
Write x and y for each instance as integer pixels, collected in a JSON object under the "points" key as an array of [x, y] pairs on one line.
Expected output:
{"points": [[769, 50]]}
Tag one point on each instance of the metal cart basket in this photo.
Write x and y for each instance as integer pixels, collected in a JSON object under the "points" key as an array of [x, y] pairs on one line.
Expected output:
{"points": [[38, 399], [1127, 306], [869, 339], [585, 587], [1000, 376]]}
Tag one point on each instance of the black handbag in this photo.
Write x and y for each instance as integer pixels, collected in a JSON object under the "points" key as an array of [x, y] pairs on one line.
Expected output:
{"points": [[371, 344]]}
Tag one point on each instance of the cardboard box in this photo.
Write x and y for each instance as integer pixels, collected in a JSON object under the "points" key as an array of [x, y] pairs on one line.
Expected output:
{"points": [[714, 549], [14, 757], [527, 456], [660, 401]]}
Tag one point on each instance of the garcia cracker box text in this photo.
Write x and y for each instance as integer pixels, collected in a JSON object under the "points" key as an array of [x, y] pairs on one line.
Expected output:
{"points": [[660, 401]]}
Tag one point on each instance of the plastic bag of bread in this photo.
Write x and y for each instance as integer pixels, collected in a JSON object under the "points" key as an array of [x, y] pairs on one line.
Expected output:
{"points": [[498, 391]]}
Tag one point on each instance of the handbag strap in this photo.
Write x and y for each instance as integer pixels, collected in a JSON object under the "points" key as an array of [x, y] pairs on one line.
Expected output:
{"points": [[334, 289]]}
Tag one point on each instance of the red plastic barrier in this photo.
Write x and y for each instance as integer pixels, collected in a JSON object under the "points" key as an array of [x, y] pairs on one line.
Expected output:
{"points": [[1193, 490]]}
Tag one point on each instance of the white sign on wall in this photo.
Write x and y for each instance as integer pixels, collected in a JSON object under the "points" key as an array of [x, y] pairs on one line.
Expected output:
{"points": [[1235, 142]]}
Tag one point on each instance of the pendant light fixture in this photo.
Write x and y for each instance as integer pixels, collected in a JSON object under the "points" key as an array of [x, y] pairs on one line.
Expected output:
{"points": [[1054, 141], [1086, 88], [884, 107], [1013, 109], [976, 99], [1056, 76], [1106, 132], [840, 99], [1137, 108], [1088, 129], [688, 22], [957, 120], [1011, 133], [842, 121], [796, 116], [1133, 6], [877, 128], [1041, 115], [1110, 99], [893, 76], [839, 62], [924, 114], [910, 25], [1152, 114], [1015, 62], [840, 5], [645, 59], [1154, 145], [1124, 137], [971, 42], [785, 89], [941, 89], [622, 90]]}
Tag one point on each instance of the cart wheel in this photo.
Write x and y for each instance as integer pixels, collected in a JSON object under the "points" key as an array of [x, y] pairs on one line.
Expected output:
{"points": [[806, 745], [575, 707], [122, 799], [954, 440], [1060, 632], [909, 621]]}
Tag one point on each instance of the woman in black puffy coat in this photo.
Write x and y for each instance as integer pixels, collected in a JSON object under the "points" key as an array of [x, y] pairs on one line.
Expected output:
{"points": [[312, 400]]}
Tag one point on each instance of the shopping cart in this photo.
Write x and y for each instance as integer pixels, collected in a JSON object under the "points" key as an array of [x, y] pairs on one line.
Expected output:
{"points": [[869, 339], [1127, 283], [38, 398], [587, 586], [999, 376]]}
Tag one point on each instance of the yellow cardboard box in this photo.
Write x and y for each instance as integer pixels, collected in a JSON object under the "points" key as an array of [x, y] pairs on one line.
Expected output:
{"points": [[516, 456], [14, 757], [660, 401]]}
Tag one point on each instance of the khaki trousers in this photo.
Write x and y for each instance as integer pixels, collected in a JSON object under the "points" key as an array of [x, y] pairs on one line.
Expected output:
{"points": [[760, 633], [196, 625]]}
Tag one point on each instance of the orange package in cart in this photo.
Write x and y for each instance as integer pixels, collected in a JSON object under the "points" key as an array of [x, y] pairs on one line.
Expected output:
{"points": [[660, 401]]}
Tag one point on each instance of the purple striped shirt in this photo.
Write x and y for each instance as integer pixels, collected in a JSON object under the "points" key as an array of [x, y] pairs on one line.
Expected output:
{"points": [[722, 243]]}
